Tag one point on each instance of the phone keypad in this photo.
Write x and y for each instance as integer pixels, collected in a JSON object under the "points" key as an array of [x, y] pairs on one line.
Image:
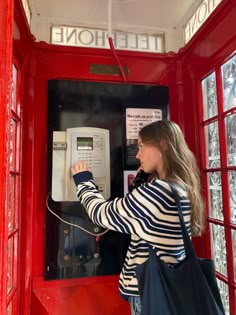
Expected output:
{"points": [[87, 157]]}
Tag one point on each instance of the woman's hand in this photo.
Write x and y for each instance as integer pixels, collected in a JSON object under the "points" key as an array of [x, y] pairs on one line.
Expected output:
{"points": [[79, 166]]}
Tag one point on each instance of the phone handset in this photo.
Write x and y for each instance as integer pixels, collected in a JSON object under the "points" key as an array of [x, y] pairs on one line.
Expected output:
{"points": [[140, 179]]}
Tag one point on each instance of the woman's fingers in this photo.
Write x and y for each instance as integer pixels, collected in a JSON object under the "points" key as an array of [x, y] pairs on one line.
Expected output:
{"points": [[79, 166]]}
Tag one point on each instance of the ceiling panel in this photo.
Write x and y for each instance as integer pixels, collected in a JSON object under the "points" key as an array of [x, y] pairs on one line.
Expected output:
{"points": [[166, 17], [155, 14]]}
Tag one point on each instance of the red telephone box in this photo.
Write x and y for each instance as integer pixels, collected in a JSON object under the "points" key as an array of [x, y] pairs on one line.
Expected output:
{"points": [[51, 86]]}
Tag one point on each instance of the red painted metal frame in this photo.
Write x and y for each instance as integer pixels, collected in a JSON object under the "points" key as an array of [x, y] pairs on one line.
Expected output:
{"points": [[226, 224], [15, 173], [225, 190], [90, 296], [202, 56], [40, 62], [6, 23], [23, 43]]}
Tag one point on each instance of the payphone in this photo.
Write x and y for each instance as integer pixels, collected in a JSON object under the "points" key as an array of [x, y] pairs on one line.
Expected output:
{"points": [[78, 252], [82, 143]]}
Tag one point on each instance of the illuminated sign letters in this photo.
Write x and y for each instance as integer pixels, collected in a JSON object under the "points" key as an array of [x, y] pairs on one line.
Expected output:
{"points": [[84, 37], [199, 17]]}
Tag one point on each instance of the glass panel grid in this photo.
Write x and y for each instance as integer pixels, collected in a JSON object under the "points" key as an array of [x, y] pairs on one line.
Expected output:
{"points": [[215, 196], [233, 233], [10, 264], [212, 145], [12, 203], [230, 126], [209, 96], [13, 137], [217, 193], [224, 292], [14, 89], [232, 191], [228, 73], [219, 248], [13, 197], [10, 308]]}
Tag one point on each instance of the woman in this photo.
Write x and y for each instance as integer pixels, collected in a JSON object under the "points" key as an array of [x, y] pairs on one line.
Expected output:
{"points": [[149, 212]]}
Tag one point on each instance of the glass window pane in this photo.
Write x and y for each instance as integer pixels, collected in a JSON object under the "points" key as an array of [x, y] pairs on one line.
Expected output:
{"points": [[10, 262], [228, 72], [232, 191], [209, 96], [219, 248], [224, 292], [13, 88], [230, 126], [215, 196], [12, 205], [212, 145], [233, 233], [13, 145], [10, 308], [13, 196]]}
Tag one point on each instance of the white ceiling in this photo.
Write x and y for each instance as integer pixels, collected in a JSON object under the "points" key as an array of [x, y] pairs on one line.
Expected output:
{"points": [[146, 16]]}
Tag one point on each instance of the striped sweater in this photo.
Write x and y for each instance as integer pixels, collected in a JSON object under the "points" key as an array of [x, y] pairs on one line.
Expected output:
{"points": [[148, 213]]}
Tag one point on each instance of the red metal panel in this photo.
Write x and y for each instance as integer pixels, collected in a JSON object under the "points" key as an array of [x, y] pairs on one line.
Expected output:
{"points": [[98, 295], [25, 242], [6, 22], [23, 50]]}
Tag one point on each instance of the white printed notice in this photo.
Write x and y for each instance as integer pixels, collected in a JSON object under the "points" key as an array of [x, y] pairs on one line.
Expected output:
{"points": [[137, 118]]}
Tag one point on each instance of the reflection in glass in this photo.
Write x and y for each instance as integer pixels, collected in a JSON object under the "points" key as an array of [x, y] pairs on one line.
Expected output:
{"points": [[10, 256], [224, 292], [219, 248], [233, 233], [228, 72], [209, 96], [212, 145], [13, 88], [232, 191], [230, 126], [11, 206], [12, 144], [215, 195], [10, 308]]}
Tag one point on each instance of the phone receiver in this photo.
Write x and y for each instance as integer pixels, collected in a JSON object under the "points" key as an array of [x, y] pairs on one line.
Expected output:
{"points": [[140, 178]]}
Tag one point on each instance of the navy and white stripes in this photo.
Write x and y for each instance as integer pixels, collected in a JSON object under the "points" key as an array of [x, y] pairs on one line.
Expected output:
{"points": [[149, 214]]}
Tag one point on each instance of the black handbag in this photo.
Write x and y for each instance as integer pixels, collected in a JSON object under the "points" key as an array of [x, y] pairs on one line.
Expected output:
{"points": [[186, 288]]}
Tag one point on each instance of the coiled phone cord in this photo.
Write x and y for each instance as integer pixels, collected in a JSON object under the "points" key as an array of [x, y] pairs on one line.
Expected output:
{"points": [[72, 224]]}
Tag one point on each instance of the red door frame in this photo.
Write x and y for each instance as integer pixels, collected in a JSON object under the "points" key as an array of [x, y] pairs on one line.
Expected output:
{"points": [[209, 50], [6, 35]]}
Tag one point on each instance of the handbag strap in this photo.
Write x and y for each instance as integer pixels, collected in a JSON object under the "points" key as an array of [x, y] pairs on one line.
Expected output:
{"points": [[188, 246]]}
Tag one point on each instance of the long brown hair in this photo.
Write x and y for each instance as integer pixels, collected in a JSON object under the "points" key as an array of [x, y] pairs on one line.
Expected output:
{"points": [[180, 164]]}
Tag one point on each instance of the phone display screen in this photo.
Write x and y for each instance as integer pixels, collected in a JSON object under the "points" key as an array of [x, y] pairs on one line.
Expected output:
{"points": [[84, 143]]}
